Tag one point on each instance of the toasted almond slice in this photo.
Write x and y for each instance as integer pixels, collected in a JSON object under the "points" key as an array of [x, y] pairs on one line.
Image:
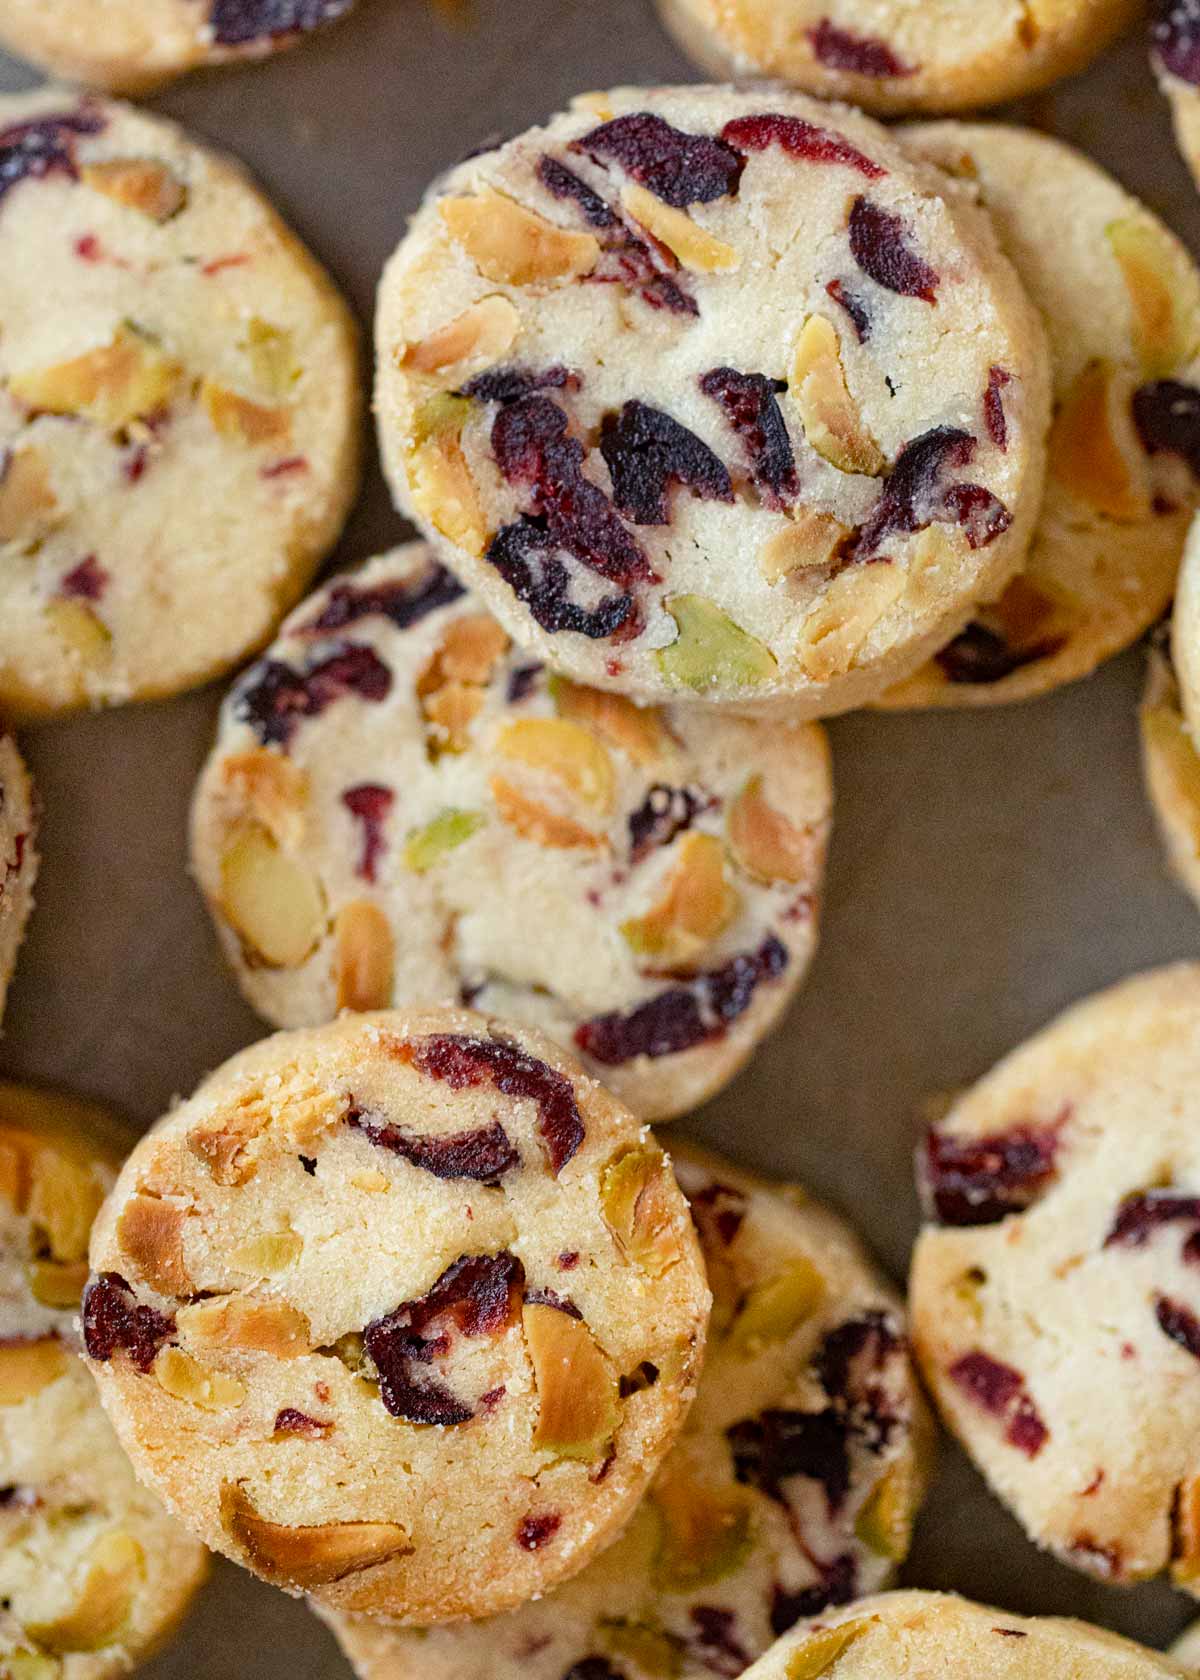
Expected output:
{"points": [[185, 1378], [303, 1558], [512, 245], [268, 1254], [539, 823], [450, 711], [26, 1368], [64, 1199], [242, 1323], [763, 842], [810, 541], [444, 493], [1164, 299], [138, 184], [1093, 449], [150, 1233], [832, 421], [271, 900], [126, 379], [363, 956], [57, 1283], [638, 731], [271, 788], [235, 416], [483, 333], [27, 500], [565, 750], [470, 649], [578, 1409], [116, 1568], [690, 244], [697, 904], [846, 614]]}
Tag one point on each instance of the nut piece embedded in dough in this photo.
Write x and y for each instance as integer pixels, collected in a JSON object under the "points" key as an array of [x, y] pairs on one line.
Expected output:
{"points": [[576, 1384], [832, 421], [1093, 449], [240, 1322], [686, 240], [482, 334], [301, 1558], [364, 957], [635, 1202], [822, 1649], [696, 906], [150, 1232], [187, 1379], [710, 649], [271, 900], [26, 1368], [137, 184], [124, 380], [564, 750], [763, 842], [27, 500], [513, 246], [1161, 286], [235, 416], [116, 1565]]}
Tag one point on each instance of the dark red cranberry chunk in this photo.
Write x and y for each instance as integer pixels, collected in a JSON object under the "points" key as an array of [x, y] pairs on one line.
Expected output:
{"points": [[749, 403], [999, 1389], [856, 309], [274, 698], [235, 23], [851, 1364], [529, 560], [85, 582], [1175, 37], [719, 1212], [563, 183], [979, 654], [1179, 1324], [534, 1532], [510, 384], [369, 804], [838, 1584], [115, 1322], [716, 1643], [679, 168], [993, 406], [593, 1668], [1145, 1212], [915, 495], [879, 245], [478, 1295], [664, 813], [1167, 416], [405, 604], [805, 141], [777, 1445], [980, 1180], [647, 453], [290, 1421], [484, 1155], [861, 55], [32, 150]]}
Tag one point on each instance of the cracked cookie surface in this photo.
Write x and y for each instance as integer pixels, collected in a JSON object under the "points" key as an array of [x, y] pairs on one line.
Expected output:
{"points": [[18, 856]]}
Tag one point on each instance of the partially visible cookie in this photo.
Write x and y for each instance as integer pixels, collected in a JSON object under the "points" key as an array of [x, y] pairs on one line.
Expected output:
{"points": [[179, 408], [1185, 631], [402, 805], [133, 46], [899, 56], [716, 394], [18, 856], [1171, 768], [402, 1312], [1175, 56], [794, 1486], [1056, 1287], [1187, 1649], [937, 1636], [1120, 296], [93, 1573]]}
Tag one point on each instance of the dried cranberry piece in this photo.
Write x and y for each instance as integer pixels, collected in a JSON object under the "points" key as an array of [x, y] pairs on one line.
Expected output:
{"points": [[593, 1668], [85, 582], [113, 1320], [862, 55], [683, 1016], [980, 1180], [981, 655], [289, 1421], [854, 306], [664, 813], [1142, 1213], [748, 402], [274, 699], [405, 604], [1178, 1323], [535, 1532], [912, 497], [462, 1062], [1167, 416], [484, 1155], [719, 1211], [715, 1642], [522, 681], [32, 150], [999, 1389], [510, 384], [527, 558], [879, 245], [563, 183], [369, 804], [768, 1450], [1175, 37], [1026, 1430], [548, 1298], [679, 168], [647, 452], [644, 1377], [799, 139], [982, 516], [477, 1296], [993, 406], [237, 22], [849, 1364], [838, 1585]]}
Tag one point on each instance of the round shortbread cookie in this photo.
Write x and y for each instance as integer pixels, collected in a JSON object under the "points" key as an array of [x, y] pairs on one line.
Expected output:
{"points": [[1175, 56], [897, 56], [18, 856], [400, 805], [699, 387], [937, 1636], [94, 1575], [1171, 769], [132, 46], [403, 1312], [1120, 296], [179, 408], [794, 1486], [1065, 1191]]}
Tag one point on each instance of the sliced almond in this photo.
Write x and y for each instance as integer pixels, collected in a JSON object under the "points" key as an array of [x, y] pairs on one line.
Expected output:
{"points": [[695, 906], [1093, 448], [639, 1209], [64, 1199], [775, 1309], [690, 244], [444, 493], [126, 379], [26, 1368], [484, 333], [242, 1323], [223, 1142], [150, 1233], [141, 184], [1185, 1560], [235, 416], [809, 542], [308, 1557], [116, 1568], [841, 621], [537, 822], [469, 650], [270, 787], [268, 1254], [578, 1409], [57, 1284], [1164, 299], [450, 711], [565, 750], [185, 1378], [27, 500], [512, 245], [363, 957], [638, 731], [17, 1149], [821, 1649], [833, 423], [763, 842], [271, 900]]}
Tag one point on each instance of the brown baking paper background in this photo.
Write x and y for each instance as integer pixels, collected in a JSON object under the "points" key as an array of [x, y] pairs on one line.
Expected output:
{"points": [[986, 870]]}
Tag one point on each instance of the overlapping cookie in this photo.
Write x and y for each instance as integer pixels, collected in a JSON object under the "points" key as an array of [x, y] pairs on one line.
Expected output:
{"points": [[179, 408], [1120, 296], [1171, 768], [713, 393], [132, 46], [18, 856], [1175, 56], [1187, 1649], [93, 1573], [793, 1488], [1059, 1266], [403, 805], [403, 1312], [894, 56]]}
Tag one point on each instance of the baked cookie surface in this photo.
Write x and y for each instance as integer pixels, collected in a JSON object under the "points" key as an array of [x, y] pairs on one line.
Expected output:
{"points": [[1171, 768], [794, 1486], [402, 1312], [93, 1573], [179, 408], [132, 46], [1175, 57], [402, 805], [713, 394], [1120, 296], [1059, 1265], [18, 856]]}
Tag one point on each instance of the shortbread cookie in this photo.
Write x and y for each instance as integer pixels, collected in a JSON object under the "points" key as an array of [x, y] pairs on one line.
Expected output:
{"points": [[403, 1312], [894, 56], [178, 408], [1187, 1649], [403, 806], [1121, 300], [93, 1573], [1185, 626], [1175, 55], [793, 1488], [713, 393], [1060, 1269], [937, 1636], [132, 46], [18, 856], [1171, 768]]}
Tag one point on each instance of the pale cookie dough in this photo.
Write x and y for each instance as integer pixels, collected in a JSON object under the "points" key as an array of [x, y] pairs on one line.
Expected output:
{"points": [[93, 1573], [1187, 1649], [1171, 769], [1120, 296], [402, 806], [1175, 57], [179, 408], [896, 56], [18, 856], [794, 1486], [1059, 1271], [1185, 629], [132, 46], [403, 1312], [937, 1636], [693, 386]]}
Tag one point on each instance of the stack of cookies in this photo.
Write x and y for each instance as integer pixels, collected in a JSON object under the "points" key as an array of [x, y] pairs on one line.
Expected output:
{"points": [[719, 410]]}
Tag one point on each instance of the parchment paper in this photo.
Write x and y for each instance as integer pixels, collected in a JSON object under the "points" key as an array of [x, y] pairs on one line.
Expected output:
{"points": [[986, 869]]}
